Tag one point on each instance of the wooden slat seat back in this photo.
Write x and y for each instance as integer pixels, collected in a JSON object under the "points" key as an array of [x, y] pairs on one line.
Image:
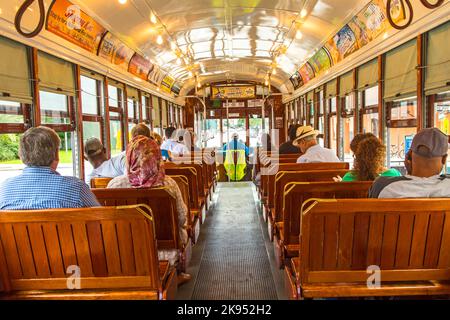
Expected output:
{"points": [[198, 167], [191, 175], [162, 204], [297, 193], [270, 178], [114, 248], [408, 239], [100, 182], [284, 178]]}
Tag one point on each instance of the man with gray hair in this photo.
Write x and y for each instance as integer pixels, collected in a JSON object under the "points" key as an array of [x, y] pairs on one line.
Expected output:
{"points": [[424, 162], [40, 186]]}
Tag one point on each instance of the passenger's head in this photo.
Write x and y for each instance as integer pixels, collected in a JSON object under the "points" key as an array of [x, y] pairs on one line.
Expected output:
{"points": [[157, 138], [306, 137], [140, 129], [428, 153], [235, 136], [169, 132], [144, 163], [292, 131], [95, 152], [369, 159], [39, 147], [358, 138]]}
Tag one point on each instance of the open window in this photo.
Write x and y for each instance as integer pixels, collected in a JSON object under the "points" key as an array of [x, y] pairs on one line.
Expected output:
{"points": [[116, 114], [347, 125], [400, 87], [368, 97], [15, 104], [57, 107]]}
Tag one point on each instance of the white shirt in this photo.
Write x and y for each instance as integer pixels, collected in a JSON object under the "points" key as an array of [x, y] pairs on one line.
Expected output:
{"points": [[318, 154], [416, 187], [174, 147], [114, 167]]}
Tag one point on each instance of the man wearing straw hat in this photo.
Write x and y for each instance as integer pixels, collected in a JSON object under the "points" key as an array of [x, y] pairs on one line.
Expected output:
{"points": [[306, 140]]}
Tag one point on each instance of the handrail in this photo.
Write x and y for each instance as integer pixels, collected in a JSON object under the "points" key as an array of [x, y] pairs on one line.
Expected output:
{"points": [[21, 12]]}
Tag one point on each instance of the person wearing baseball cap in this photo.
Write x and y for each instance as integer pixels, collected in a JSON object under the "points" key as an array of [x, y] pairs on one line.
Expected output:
{"points": [[95, 153], [306, 141], [424, 163]]}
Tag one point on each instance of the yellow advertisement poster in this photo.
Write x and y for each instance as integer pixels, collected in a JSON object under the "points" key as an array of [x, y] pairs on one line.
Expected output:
{"points": [[240, 92], [67, 21], [167, 84]]}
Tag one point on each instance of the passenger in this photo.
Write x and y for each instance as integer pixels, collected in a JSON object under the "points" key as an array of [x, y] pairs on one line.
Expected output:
{"points": [[146, 170], [141, 129], [158, 139], [40, 186], [288, 147], [424, 163], [171, 143], [369, 160], [358, 138], [306, 140], [236, 144], [95, 153], [184, 143]]}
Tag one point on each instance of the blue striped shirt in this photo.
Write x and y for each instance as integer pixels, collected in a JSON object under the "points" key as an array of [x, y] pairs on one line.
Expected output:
{"points": [[44, 188]]}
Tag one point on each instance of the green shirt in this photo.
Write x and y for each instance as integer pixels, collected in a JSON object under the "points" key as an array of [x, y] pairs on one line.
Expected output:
{"points": [[353, 176]]}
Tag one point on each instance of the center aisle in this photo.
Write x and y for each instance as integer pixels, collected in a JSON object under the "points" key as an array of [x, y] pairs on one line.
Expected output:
{"points": [[234, 262]]}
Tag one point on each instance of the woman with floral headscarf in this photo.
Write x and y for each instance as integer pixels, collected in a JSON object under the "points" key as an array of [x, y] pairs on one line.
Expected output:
{"points": [[145, 169]]}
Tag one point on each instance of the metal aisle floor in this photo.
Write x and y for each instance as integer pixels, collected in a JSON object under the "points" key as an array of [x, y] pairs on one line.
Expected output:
{"points": [[231, 260]]}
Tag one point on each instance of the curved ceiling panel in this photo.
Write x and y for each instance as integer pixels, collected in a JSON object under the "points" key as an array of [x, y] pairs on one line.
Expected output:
{"points": [[232, 39]]}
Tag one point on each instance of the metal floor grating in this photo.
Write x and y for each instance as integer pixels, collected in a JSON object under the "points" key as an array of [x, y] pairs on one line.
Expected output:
{"points": [[235, 264]]}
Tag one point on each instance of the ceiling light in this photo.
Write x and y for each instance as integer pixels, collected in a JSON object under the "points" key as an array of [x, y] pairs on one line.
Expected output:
{"points": [[178, 61], [266, 82], [122, 1], [199, 85], [274, 71], [190, 74], [159, 39], [173, 46], [152, 17], [303, 13], [299, 35]]}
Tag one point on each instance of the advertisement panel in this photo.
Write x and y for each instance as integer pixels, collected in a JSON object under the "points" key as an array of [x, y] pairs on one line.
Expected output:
{"points": [[139, 66], [115, 51], [238, 92], [70, 23]]}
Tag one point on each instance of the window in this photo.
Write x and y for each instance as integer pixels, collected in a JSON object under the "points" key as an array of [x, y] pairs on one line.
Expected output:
{"points": [[348, 126], [92, 109], [212, 135], [11, 112], [402, 126], [321, 117], [115, 100], [333, 133], [54, 108], [441, 112], [369, 110]]}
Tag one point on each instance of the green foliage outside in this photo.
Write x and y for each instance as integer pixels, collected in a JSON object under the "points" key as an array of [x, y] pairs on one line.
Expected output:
{"points": [[9, 147]]}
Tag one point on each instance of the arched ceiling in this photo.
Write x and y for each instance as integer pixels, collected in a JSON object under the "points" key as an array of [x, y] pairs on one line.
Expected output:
{"points": [[209, 40]]}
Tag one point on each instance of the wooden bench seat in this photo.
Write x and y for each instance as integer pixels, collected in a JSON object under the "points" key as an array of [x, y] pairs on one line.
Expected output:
{"points": [[282, 178], [287, 228], [163, 206], [268, 178], [408, 239], [113, 247]]}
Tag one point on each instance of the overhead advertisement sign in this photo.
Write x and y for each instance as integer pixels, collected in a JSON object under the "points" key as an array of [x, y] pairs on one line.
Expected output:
{"points": [[69, 22], [140, 67], [167, 84], [115, 51], [238, 92]]}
